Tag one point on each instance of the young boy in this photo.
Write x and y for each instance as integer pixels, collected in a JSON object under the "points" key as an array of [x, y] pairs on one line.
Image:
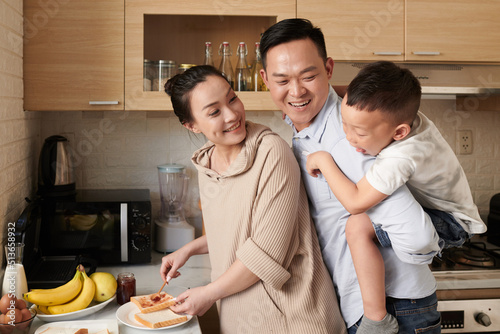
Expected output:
{"points": [[380, 118]]}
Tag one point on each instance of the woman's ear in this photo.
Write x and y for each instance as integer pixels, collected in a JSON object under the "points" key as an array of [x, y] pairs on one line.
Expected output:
{"points": [[402, 130], [191, 127]]}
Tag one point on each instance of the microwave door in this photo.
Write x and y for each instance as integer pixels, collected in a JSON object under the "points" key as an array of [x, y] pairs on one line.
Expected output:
{"points": [[124, 232]]}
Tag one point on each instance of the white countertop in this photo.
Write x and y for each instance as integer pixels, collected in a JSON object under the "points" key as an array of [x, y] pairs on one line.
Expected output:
{"points": [[196, 272]]}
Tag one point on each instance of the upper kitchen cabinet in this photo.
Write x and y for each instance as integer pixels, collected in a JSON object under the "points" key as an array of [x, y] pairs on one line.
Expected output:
{"points": [[74, 55], [411, 30], [358, 29], [177, 31], [458, 30]]}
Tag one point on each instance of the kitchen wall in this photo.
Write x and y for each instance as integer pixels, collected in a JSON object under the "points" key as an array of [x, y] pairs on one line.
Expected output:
{"points": [[122, 149], [19, 130]]}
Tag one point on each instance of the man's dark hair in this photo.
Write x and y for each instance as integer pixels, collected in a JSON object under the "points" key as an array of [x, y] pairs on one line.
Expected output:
{"points": [[291, 30], [386, 87]]}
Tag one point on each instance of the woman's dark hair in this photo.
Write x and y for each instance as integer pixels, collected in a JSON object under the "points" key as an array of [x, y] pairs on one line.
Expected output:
{"points": [[180, 86], [386, 87], [291, 30]]}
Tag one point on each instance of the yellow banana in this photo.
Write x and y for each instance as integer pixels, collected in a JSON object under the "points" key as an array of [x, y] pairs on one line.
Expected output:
{"points": [[56, 296], [81, 301], [43, 309]]}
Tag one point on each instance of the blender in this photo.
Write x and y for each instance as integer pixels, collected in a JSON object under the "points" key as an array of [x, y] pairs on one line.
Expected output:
{"points": [[172, 229]]}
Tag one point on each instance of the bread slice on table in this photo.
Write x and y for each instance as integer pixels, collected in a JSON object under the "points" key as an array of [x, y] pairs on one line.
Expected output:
{"points": [[65, 330], [158, 319], [147, 304], [102, 331]]}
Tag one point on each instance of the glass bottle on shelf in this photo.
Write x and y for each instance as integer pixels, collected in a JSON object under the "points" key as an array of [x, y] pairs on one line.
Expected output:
{"points": [[209, 60], [225, 64], [243, 78], [257, 81]]}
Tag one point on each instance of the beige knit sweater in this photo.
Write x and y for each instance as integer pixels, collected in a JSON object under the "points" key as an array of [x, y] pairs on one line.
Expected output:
{"points": [[257, 211]]}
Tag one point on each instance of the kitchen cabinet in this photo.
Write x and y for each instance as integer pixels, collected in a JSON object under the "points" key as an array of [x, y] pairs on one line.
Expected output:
{"points": [[178, 30], [358, 29], [73, 55], [399, 30], [458, 30]]}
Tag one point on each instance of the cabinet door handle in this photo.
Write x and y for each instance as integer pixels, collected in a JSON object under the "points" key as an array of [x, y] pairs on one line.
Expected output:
{"points": [[103, 102], [426, 53], [388, 53]]}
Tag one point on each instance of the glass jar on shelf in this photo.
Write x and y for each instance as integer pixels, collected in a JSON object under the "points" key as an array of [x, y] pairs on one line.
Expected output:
{"points": [[148, 75], [183, 67], [163, 70]]}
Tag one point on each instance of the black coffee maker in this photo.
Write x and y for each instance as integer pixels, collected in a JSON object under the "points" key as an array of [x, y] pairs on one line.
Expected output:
{"points": [[55, 171]]}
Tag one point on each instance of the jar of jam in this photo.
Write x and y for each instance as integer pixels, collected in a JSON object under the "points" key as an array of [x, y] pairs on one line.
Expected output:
{"points": [[126, 287]]}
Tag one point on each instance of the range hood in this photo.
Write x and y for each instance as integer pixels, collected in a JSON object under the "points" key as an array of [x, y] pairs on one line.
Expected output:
{"points": [[437, 79]]}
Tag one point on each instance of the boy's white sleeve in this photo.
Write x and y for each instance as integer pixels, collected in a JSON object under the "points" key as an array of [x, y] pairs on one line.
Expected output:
{"points": [[387, 174]]}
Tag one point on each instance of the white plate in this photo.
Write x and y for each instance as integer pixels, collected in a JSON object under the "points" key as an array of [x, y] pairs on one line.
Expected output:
{"points": [[93, 326], [126, 312], [92, 308]]}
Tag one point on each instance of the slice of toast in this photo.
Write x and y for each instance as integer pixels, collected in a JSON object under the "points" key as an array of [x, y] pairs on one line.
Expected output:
{"points": [[148, 304], [102, 331], [65, 330], [158, 319]]}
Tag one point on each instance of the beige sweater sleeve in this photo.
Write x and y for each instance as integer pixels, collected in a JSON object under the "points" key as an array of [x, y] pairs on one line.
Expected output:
{"points": [[274, 240]]}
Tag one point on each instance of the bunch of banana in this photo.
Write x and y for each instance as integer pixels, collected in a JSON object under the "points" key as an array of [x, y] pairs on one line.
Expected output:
{"points": [[56, 296], [70, 297]]}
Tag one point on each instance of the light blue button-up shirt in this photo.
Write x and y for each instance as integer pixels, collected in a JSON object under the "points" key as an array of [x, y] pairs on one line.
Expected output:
{"points": [[403, 280]]}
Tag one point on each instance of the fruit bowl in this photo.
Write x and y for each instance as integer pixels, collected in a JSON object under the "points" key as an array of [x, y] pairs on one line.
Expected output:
{"points": [[22, 327], [92, 308]]}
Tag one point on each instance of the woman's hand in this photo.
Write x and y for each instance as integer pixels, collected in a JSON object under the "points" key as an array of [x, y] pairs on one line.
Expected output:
{"points": [[316, 161], [171, 262], [195, 301]]}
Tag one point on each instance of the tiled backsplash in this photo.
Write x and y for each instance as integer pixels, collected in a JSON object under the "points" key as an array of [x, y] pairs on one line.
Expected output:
{"points": [[122, 149]]}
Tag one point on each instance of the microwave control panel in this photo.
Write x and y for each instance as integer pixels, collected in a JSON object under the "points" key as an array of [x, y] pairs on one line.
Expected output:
{"points": [[139, 232]]}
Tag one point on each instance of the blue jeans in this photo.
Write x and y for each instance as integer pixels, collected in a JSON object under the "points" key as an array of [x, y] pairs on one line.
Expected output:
{"points": [[448, 229], [413, 315]]}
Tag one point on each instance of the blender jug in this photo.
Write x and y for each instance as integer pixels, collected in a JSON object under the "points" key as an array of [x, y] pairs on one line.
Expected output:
{"points": [[172, 229], [173, 187]]}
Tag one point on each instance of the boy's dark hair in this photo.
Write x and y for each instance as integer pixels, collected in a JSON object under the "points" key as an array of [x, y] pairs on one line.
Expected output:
{"points": [[386, 87], [291, 30], [180, 86]]}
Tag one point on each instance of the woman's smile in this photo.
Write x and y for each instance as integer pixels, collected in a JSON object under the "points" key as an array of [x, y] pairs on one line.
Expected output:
{"points": [[234, 127]]}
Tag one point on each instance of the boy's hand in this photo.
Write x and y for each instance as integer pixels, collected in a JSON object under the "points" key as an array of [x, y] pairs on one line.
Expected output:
{"points": [[315, 161]]}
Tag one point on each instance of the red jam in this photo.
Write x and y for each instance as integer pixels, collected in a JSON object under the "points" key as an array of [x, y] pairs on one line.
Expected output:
{"points": [[126, 287]]}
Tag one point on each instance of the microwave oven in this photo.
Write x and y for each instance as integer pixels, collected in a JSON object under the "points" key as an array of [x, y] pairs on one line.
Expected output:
{"points": [[109, 226]]}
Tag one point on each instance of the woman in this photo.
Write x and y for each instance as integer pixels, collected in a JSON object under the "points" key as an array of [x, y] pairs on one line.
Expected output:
{"points": [[267, 272]]}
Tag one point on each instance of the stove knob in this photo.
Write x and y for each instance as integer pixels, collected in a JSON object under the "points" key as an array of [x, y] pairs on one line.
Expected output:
{"points": [[483, 319]]}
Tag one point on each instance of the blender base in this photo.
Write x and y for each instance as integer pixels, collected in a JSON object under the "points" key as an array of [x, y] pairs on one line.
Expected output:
{"points": [[170, 236]]}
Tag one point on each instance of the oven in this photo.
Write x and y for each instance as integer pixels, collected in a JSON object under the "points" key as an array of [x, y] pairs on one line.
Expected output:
{"points": [[468, 287]]}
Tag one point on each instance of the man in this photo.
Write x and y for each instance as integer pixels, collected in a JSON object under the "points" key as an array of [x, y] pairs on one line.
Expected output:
{"points": [[297, 71]]}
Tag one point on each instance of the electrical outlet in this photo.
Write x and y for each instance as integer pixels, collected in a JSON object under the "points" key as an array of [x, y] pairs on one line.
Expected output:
{"points": [[464, 141]]}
